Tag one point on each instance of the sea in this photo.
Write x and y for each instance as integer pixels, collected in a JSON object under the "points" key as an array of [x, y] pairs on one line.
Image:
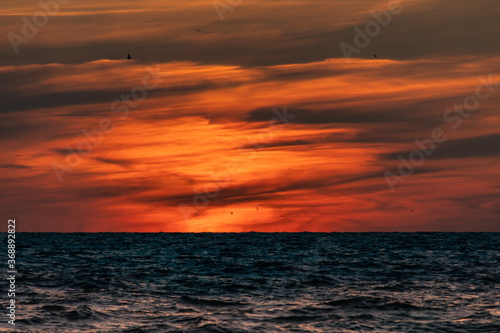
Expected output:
{"points": [[255, 282]]}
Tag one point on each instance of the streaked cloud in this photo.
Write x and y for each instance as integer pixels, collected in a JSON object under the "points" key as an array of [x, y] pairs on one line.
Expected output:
{"points": [[322, 171]]}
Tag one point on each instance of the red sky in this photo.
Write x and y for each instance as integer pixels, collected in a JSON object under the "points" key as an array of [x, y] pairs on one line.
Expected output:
{"points": [[206, 142]]}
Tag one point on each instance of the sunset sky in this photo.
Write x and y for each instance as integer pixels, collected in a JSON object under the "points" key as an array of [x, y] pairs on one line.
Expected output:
{"points": [[202, 140]]}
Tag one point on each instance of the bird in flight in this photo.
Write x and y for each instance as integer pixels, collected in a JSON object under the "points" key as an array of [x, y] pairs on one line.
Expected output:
{"points": [[375, 55], [129, 57]]}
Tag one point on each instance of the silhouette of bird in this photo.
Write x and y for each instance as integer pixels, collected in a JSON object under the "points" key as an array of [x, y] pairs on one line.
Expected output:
{"points": [[129, 57], [375, 55]]}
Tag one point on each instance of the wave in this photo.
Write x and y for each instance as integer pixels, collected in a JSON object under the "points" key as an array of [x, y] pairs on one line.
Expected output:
{"points": [[210, 302], [374, 303]]}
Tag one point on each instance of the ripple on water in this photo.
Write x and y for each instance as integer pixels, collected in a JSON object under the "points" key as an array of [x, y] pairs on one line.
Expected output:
{"points": [[421, 282]]}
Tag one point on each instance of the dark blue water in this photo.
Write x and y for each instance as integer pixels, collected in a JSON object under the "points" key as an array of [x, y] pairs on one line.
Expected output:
{"points": [[305, 282]]}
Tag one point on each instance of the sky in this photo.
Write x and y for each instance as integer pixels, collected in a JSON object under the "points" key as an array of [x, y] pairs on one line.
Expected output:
{"points": [[237, 116]]}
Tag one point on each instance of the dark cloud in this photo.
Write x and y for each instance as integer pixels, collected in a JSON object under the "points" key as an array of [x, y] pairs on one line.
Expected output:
{"points": [[420, 30], [80, 115], [479, 146], [267, 190], [320, 139], [112, 191], [63, 152], [299, 142], [14, 166], [19, 102], [479, 201], [119, 162], [369, 114]]}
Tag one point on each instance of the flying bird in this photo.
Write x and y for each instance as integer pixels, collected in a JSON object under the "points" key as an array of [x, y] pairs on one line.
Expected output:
{"points": [[129, 57], [375, 55]]}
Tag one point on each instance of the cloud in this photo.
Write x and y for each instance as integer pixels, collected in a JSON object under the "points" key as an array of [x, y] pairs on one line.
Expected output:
{"points": [[278, 36], [473, 147], [14, 166], [215, 102]]}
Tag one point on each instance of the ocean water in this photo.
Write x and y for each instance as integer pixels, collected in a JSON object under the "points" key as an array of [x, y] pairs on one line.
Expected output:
{"points": [[254, 282]]}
